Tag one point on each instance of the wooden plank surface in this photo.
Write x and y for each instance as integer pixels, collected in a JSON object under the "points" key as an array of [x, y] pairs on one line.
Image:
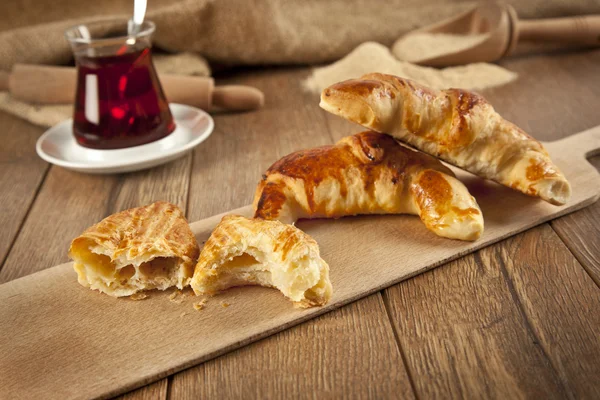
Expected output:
{"points": [[21, 173], [153, 391], [350, 350], [497, 331], [556, 96], [357, 268], [581, 232], [569, 338]]}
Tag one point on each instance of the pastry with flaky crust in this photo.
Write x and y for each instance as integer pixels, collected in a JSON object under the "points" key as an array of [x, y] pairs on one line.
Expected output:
{"points": [[456, 125], [242, 251], [149, 247], [368, 173]]}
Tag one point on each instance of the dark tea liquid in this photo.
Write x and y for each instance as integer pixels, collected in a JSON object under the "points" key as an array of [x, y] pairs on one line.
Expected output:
{"points": [[119, 102]]}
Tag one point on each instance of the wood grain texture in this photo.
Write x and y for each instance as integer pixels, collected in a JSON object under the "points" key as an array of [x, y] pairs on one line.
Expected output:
{"points": [[154, 391], [357, 269], [464, 336], [581, 232], [350, 350], [564, 313], [21, 173], [555, 95], [46, 234], [509, 325]]}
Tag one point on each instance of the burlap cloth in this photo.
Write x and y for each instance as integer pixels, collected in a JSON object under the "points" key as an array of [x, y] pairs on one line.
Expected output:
{"points": [[240, 32]]}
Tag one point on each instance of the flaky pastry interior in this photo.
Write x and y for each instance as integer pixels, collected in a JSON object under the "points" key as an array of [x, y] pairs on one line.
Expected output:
{"points": [[242, 251], [143, 248], [456, 125]]}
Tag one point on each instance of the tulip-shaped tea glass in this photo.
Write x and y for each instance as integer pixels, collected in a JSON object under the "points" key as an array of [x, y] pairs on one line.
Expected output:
{"points": [[119, 101]]}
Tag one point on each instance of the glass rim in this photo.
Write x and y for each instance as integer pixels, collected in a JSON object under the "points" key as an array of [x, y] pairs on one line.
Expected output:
{"points": [[146, 29]]}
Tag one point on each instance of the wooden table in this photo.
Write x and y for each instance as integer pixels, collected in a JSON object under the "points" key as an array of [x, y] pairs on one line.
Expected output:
{"points": [[520, 318]]}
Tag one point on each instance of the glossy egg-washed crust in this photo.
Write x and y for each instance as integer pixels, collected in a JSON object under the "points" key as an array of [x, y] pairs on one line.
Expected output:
{"points": [[277, 247], [456, 125], [368, 173], [158, 230]]}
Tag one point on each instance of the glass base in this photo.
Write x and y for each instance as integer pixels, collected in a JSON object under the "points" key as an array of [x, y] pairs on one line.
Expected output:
{"points": [[92, 141]]}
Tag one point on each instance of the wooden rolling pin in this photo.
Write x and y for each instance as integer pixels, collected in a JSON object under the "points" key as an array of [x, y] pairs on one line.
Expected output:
{"points": [[40, 84], [501, 30]]}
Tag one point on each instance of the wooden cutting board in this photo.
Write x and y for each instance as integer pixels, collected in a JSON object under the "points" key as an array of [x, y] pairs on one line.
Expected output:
{"points": [[63, 340]]}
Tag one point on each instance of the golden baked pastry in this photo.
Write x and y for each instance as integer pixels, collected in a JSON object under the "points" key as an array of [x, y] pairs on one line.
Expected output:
{"points": [[242, 251], [456, 125], [368, 173], [149, 247]]}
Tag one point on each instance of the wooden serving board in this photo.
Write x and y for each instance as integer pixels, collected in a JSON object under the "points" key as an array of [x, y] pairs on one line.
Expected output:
{"points": [[63, 340]]}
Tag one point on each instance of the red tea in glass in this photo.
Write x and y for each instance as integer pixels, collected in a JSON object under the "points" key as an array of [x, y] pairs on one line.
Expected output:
{"points": [[119, 101]]}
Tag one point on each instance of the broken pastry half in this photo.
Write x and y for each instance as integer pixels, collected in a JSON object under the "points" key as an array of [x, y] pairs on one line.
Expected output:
{"points": [[243, 251], [368, 173], [142, 248], [456, 125]]}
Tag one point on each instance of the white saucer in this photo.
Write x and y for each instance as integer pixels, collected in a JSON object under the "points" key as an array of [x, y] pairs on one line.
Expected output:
{"points": [[58, 145]]}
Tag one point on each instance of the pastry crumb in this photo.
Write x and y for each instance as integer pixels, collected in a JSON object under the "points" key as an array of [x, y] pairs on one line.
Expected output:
{"points": [[138, 296], [183, 314], [199, 305], [177, 296], [224, 304]]}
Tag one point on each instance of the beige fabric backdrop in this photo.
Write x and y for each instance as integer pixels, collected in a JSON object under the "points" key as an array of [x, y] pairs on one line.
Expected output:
{"points": [[244, 31]]}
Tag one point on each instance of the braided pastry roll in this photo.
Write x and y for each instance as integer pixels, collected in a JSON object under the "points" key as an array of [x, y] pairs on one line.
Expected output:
{"points": [[368, 173], [456, 125]]}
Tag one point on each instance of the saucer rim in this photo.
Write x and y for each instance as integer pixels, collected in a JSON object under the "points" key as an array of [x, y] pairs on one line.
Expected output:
{"points": [[122, 165]]}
